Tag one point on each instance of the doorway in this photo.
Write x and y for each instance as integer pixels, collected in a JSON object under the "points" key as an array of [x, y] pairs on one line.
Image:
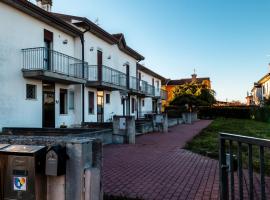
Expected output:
{"points": [[100, 106], [48, 90]]}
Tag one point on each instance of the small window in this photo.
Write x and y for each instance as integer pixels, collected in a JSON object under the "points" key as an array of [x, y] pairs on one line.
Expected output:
{"points": [[63, 101], [91, 102], [143, 102], [71, 100], [108, 98], [31, 91], [132, 105]]}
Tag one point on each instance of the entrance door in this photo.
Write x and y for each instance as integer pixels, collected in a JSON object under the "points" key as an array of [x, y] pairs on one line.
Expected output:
{"points": [[154, 106], [100, 106], [48, 105]]}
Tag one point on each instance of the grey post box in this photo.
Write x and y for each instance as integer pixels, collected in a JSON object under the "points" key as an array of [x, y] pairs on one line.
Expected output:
{"points": [[2, 181], [56, 161], [24, 172]]}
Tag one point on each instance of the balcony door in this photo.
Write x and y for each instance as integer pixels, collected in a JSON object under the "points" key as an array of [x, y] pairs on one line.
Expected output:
{"points": [[48, 40], [100, 106], [48, 105], [99, 64]]}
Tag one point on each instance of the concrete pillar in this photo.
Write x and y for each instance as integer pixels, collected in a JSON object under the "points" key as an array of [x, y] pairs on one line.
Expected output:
{"points": [[160, 122], [165, 123], [124, 129], [187, 118], [84, 162]]}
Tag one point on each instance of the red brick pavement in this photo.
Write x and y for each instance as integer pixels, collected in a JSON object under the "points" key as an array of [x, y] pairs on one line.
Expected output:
{"points": [[156, 168]]}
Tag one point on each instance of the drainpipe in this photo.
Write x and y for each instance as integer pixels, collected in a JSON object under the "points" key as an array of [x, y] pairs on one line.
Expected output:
{"points": [[83, 85], [83, 72]]}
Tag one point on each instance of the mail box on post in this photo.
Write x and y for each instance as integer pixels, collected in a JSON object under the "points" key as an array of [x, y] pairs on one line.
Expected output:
{"points": [[2, 173], [24, 172], [56, 161]]}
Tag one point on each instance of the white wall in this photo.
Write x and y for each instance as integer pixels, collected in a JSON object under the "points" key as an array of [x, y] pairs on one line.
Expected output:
{"points": [[117, 61], [19, 31], [118, 58]]}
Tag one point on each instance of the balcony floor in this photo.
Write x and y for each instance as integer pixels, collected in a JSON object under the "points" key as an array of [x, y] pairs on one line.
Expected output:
{"points": [[52, 76], [105, 86]]}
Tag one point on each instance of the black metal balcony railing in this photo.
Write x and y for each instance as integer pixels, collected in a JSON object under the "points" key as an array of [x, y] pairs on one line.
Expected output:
{"points": [[234, 189], [41, 58], [150, 90], [164, 94], [109, 75], [134, 83]]}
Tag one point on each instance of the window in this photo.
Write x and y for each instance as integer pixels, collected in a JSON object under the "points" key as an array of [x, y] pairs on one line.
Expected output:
{"points": [[31, 91], [91, 102], [132, 105], [143, 102], [63, 101], [71, 100], [108, 98]]}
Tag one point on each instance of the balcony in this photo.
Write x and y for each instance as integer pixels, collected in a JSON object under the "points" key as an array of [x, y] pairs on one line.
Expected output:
{"points": [[45, 64], [164, 94], [147, 89], [134, 86], [106, 78]]}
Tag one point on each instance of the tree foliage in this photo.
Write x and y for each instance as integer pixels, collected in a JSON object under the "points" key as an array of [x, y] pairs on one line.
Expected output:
{"points": [[193, 94]]}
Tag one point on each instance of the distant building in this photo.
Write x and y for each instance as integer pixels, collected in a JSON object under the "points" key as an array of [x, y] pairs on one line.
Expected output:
{"points": [[260, 90], [169, 85]]}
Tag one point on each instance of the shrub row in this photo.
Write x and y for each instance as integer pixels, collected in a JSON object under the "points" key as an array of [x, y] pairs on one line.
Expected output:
{"points": [[241, 112]]}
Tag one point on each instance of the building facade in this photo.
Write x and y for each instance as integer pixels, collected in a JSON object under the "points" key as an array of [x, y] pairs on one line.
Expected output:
{"points": [[261, 90], [169, 85], [59, 70]]}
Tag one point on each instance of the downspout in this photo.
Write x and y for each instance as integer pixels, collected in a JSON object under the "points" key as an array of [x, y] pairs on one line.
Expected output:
{"points": [[83, 72], [83, 85]]}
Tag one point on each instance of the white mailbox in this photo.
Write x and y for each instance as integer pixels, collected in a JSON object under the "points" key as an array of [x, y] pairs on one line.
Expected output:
{"points": [[122, 123]]}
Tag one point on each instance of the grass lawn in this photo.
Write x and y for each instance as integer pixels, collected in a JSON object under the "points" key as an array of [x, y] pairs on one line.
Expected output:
{"points": [[206, 143]]}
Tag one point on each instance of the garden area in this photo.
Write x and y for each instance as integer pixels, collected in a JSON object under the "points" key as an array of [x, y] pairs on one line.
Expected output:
{"points": [[207, 143]]}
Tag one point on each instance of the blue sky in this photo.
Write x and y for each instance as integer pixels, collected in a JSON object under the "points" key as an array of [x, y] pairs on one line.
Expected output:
{"points": [[227, 40]]}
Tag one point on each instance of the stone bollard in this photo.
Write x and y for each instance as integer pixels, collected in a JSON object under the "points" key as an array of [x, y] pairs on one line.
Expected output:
{"points": [[187, 118], [124, 130], [160, 122]]}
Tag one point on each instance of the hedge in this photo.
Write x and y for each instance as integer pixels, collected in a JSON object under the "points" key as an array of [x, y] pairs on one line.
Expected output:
{"points": [[261, 114], [241, 112]]}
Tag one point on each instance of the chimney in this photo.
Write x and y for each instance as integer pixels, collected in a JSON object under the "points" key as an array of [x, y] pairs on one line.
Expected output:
{"points": [[45, 4], [194, 77]]}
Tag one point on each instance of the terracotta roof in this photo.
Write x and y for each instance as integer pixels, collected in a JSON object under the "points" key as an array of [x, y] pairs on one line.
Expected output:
{"points": [[42, 15], [150, 72], [186, 80], [264, 78], [118, 39]]}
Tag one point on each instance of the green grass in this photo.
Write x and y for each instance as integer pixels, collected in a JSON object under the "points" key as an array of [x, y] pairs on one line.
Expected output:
{"points": [[206, 143]]}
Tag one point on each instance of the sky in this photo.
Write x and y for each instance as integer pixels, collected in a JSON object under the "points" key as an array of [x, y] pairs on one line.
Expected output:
{"points": [[226, 40]]}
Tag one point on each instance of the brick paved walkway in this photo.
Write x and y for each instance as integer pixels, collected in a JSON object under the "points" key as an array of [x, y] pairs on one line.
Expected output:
{"points": [[156, 168]]}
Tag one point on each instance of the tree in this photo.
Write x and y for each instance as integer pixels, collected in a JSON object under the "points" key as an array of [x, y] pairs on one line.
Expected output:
{"points": [[192, 95]]}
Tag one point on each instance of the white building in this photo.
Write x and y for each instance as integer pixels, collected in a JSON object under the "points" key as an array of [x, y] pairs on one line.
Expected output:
{"points": [[41, 68], [63, 70], [261, 90]]}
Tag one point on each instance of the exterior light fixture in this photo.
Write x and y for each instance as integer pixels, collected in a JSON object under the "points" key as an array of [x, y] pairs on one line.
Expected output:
{"points": [[65, 41], [92, 49]]}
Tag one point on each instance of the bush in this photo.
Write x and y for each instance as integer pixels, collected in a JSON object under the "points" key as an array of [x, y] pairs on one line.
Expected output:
{"points": [[261, 114], [175, 111], [240, 112]]}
